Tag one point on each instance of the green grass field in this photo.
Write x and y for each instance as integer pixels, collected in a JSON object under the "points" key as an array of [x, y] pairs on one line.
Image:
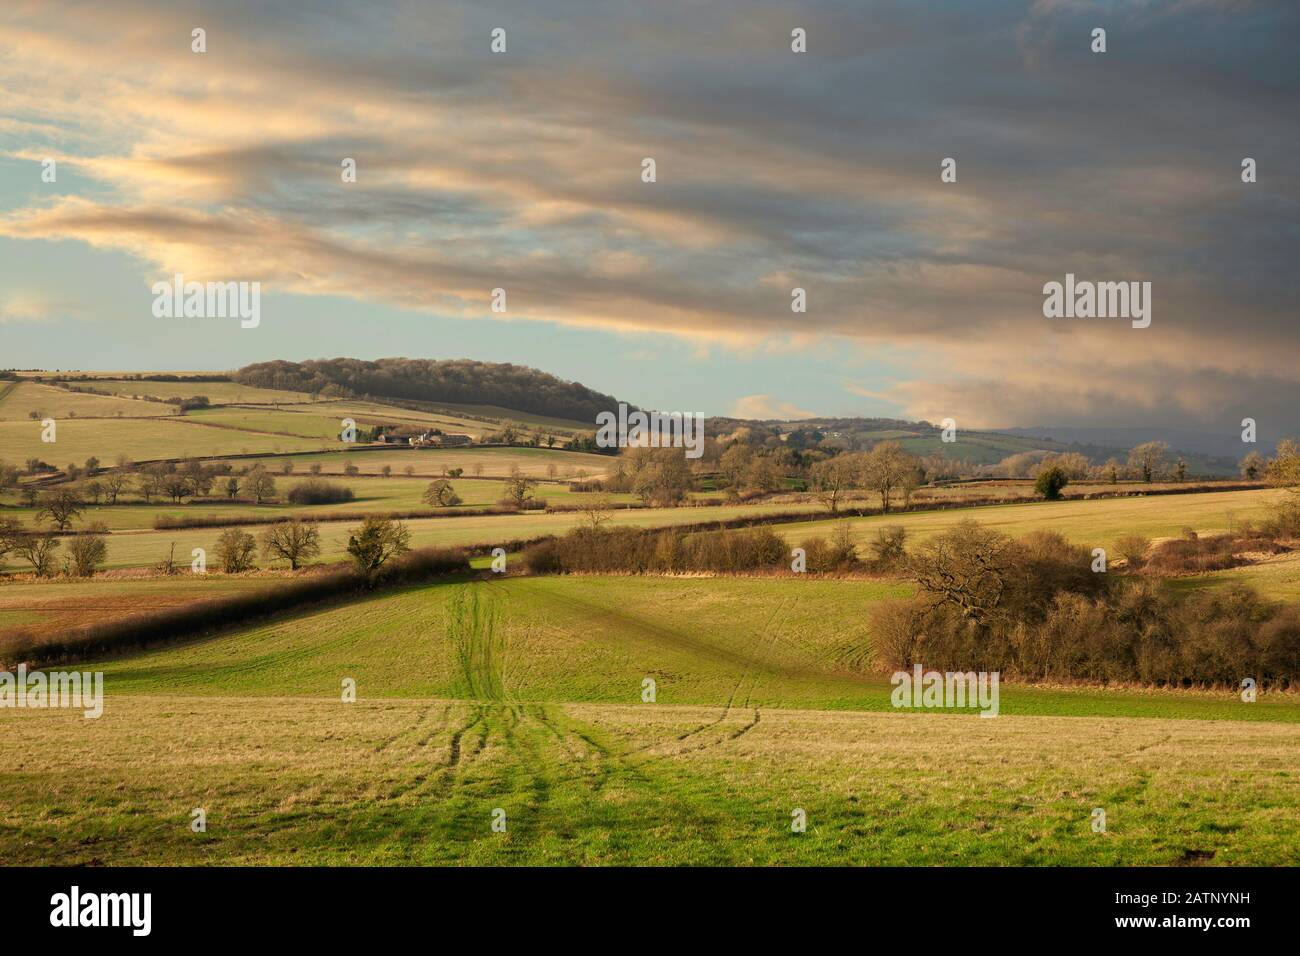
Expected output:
{"points": [[372, 495], [139, 439], [22, 398], [142, 548], [1275, 576], [470, 700], [219, 393], [373, 412], [301, 422], [1096, 523], [527, 419]]}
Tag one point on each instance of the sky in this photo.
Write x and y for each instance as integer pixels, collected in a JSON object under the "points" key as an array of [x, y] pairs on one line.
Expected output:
{"points": [[774, 170]]}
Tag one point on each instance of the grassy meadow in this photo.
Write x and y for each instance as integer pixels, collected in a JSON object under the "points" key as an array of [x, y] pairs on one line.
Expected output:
{"points": [[18, 400], [218, 393], [141, 439], [142, 547], [372, 494], [468, 701], [1096, 523]]}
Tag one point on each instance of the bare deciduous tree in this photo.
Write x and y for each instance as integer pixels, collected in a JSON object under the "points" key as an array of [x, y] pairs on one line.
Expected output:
{"points": [[61, 507], [293, 541], [596, 510], [1146, 459], [37, 549], [966, 566], [260, 484], [834, 477], [87, 551]]}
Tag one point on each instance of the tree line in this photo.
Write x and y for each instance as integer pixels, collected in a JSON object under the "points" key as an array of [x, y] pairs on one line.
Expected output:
{"points": [[461, 381]]}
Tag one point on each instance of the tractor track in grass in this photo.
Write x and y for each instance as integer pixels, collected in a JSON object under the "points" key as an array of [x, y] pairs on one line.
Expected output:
{"points": [[752, 675], [526, 731], [527, 752], [596, 764], [418, 726], [726, 709], [516, 766], [595, 760]]}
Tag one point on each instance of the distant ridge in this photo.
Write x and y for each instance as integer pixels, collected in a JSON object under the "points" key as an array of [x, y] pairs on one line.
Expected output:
{"points": [[1226, 443], [462, 381]]}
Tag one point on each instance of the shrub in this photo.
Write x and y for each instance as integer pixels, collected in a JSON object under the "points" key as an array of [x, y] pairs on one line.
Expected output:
{"points": [[378, 541], [636, 550], [839, 553], [1050, 482], [1284, 522], [896, 632], [1187, 555], [317, 491], [889, 549], [440, 494], [234, 551], [87, 551], [1046, 620], [1133, 548]]}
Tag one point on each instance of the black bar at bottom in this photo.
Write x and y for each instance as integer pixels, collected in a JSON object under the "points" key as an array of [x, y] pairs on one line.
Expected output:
{"points": [[213, 905]]}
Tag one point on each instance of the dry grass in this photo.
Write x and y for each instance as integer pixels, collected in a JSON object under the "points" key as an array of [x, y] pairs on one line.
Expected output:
{"points": [[298, 781]]}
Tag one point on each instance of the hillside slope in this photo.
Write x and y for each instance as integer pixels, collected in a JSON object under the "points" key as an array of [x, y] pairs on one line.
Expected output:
{"points": [[462, 381]]}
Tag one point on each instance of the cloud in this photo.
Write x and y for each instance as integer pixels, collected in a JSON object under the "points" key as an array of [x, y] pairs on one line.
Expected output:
{"points": [[28, 307], [765, 407], [775, 170]]}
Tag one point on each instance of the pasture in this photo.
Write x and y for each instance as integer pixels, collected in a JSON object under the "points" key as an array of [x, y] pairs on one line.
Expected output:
{"points": [[468, 701], [20, 399], [372, 494], [139, 439], [525, 694], [1095, 523], [143, 547], [218, 393]]}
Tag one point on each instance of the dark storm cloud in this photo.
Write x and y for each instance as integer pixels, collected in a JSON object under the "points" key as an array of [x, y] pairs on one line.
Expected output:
{"points": [[818, 170]]}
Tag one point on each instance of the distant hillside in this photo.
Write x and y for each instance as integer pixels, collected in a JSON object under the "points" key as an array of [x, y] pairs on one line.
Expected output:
{"points": [[427, 380], [976, 447], [1224, 443]]}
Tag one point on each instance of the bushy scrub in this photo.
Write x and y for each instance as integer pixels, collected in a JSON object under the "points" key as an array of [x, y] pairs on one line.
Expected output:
{"points": [[1034, 608], [316, 491], [634, 550]]}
